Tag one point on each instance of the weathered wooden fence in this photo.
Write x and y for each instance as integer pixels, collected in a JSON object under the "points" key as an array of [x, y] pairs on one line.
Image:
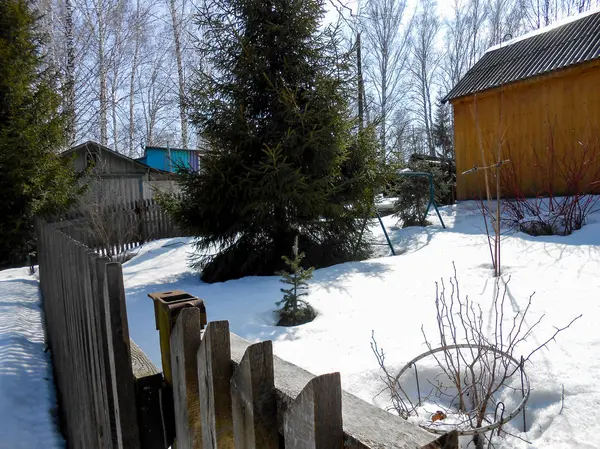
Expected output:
{"points": [[114, 229], [103, 394], [82, 296], [226, 392], [229, 394]]}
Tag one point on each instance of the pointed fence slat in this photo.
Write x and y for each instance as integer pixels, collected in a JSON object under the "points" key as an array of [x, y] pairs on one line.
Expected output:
{"points": [[184, 345], [253, 399], [120, 356], [214, 376], [365, 425], [314, 419]]}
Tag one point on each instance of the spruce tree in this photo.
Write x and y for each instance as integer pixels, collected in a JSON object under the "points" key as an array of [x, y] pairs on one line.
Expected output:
{"points": [[284, 156], [294, 310], [33, 180], [442, 130]]}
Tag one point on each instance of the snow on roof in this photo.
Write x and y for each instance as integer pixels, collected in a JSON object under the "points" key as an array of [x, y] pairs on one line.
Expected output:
{"points": [[553, 26], [567, 43]]}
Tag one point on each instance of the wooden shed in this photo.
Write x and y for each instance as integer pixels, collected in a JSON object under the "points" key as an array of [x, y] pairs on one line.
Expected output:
{"points": [[536, 99], [114, 177]]}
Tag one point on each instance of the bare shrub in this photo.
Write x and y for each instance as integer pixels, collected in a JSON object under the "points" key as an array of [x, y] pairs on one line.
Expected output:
{"points": [[566, 185], [108, 223], [476, 368]]}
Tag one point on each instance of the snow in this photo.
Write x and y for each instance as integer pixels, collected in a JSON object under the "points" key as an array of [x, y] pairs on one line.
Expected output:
{"points": [[539, 31], [394, 296], [385, 204], [27, 398]]}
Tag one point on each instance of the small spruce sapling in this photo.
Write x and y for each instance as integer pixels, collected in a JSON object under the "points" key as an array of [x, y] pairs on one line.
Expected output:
{"points": [[294, 310]]}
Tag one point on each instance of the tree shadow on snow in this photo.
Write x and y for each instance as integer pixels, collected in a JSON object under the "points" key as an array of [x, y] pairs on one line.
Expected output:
{"points": [[333, 278], [143, 254]]}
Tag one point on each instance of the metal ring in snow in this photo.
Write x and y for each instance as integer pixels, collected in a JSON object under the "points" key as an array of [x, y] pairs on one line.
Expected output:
{"points": [[489, 427]]}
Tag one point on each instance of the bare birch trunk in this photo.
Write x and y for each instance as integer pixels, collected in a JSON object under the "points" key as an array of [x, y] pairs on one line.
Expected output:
{"points": [[134, 65], [70, 74], [181, 78], [102, 69]]}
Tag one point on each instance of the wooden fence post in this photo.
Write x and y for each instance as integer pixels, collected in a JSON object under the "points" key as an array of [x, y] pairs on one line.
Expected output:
{"points": [[314, 419], [148, 384], [253, 399], [120, 360], [185, 341], [214, 377]]}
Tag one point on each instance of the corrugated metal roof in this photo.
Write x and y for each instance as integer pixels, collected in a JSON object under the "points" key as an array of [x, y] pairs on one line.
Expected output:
{"points": [[560, 47]]}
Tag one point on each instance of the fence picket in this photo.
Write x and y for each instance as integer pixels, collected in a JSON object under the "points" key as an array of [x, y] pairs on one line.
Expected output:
{"points": [[120, 353], [314, 420], [253, 399], [214, 376], [184, 343], [96, 332]]}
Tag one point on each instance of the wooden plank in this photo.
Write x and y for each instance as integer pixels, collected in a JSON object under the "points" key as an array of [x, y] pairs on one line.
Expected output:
{"points": [[364, 423], [253, 399], [447, 441], [214, 377], [141, 365], [314, 419], [131, 237], [151, 220], [98, 342], [140, 222], [99, 401], [71, 387], [53, 279], [159, 218], [85, 407], [184, 343], [120, 361], [101, 335], [148, 392]]}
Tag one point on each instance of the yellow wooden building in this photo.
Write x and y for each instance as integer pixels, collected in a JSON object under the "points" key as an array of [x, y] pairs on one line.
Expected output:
{"points": [[535, 101]]}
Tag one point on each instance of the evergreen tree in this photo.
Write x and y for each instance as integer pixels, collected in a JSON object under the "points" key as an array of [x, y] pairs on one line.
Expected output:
{"points": [[412, 193], [285, 158], [442, 130], [33, 180], [294, 309]]}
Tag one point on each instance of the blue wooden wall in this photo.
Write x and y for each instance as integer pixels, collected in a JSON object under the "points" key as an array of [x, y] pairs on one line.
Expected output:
{"points": [[159, 158]]}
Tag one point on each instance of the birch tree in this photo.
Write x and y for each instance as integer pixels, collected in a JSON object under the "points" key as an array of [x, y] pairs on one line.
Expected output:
{"points": [[176, 18], [157, 106], [69, 98], [139, 28], [424, 65], [476, 11], [504, 20], [457, 45], [387, 31]]}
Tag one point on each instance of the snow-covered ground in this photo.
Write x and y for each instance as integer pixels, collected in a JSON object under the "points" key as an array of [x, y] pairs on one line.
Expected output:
{"points": [[394, 296], [27, 398]]}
